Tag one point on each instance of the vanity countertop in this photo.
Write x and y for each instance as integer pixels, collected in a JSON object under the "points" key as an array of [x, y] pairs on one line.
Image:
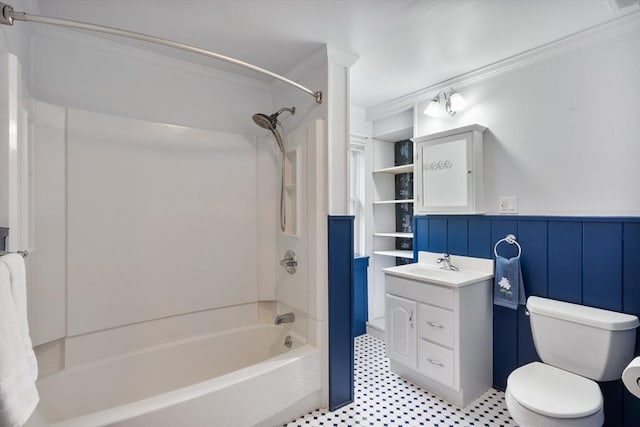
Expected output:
{"points": [[471, 270]]}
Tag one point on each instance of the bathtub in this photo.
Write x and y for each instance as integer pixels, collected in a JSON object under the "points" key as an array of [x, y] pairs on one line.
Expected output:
{"points": [[243, 377]]}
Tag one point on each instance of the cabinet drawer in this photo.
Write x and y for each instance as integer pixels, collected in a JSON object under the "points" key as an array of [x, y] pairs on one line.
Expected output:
{"points": [[419, 291], [436, 362], [436, 324]]}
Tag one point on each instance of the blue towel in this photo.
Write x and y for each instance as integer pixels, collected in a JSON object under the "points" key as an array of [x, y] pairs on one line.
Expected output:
{"points": [[509, 289]]}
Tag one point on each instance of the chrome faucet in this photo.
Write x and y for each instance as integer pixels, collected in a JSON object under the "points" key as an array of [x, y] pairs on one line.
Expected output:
{"points": [[446, 263], [284, 318]]}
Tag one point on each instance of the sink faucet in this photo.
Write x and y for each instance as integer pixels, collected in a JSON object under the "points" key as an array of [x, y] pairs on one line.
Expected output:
{"points": [[446, 263], [284, 318]]}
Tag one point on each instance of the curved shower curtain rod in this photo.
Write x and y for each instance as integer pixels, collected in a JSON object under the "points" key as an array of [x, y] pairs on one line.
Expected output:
{"points": [[8, 16]]}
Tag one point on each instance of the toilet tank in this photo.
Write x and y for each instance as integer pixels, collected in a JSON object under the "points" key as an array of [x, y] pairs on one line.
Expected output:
{"points": [[588, 341]]}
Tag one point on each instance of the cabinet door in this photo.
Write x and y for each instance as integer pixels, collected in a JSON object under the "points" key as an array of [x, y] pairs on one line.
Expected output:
{"points": [[444, 174], [401, 330]]}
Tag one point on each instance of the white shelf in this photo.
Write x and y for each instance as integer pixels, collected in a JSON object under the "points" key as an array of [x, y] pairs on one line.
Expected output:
{"points": [[395, 234], [394, 170], [397, 254], [392, 202]]}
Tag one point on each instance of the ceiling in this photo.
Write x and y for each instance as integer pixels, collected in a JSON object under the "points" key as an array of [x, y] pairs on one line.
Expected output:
{"points": [[402, 45]]}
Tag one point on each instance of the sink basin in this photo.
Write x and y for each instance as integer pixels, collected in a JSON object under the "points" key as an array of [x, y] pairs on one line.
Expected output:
{"points": [[471, 270]]}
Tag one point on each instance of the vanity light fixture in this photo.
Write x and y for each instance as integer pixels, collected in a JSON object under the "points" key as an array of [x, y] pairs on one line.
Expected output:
{"points": [[445, 104]]}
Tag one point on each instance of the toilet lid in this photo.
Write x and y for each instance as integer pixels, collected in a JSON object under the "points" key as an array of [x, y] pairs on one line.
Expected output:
{"points": [[554, 392]]}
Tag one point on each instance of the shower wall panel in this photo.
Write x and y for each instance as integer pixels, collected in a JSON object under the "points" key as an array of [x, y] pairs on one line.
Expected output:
{"points": [[305, 290], [162, 220], [87, 72], [46, 266]]}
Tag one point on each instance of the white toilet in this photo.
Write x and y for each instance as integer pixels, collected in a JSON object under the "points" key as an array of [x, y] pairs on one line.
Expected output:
{"points": [[578, 345]]}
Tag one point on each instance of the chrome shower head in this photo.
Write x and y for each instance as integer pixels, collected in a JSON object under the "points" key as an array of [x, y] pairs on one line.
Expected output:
{"points": [[264, 121], [270, 122]]}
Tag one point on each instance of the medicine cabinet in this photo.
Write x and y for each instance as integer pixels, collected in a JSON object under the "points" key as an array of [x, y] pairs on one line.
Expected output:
{"points": [[448, 171]]}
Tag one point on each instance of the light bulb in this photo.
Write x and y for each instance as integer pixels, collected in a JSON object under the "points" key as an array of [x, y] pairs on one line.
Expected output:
{"points": [[434, 109], [457, 102]]}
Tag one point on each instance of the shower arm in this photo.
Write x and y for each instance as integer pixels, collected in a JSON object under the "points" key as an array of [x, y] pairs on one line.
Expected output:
{"points": [[8, 16]]}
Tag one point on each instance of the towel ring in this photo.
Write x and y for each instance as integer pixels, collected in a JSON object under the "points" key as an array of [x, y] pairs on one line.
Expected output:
{"points": [[510, 239]]}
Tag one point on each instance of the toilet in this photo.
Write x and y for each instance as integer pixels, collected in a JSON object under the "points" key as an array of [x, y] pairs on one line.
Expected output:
{"points": [[578, 346]]}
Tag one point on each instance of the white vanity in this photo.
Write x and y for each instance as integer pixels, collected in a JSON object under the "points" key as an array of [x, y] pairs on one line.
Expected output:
{"points": [[439, 325]]}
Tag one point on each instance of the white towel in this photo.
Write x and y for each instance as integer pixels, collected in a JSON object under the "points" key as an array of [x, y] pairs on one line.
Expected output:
{"points": [[18, 365]]}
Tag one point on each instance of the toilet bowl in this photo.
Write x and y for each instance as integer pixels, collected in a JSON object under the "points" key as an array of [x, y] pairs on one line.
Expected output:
{"points": [[541, 395], [579, 345]]}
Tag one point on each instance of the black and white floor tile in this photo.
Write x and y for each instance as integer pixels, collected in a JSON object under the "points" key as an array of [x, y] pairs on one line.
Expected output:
{"points": [[384, 399]]}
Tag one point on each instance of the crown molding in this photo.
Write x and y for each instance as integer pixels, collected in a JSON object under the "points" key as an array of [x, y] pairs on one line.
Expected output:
{"points": [[317, 59], [341, 57], [108, 47], [524, 59], [360, 139], [320, 58]]}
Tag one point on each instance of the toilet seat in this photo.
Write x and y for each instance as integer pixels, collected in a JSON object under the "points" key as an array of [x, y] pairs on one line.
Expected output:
{"points": [[526, 418], [553, 392]]}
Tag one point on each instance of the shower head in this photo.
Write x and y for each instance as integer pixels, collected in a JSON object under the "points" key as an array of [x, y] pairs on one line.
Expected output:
{"points": [[270, 122], [263, 121]]}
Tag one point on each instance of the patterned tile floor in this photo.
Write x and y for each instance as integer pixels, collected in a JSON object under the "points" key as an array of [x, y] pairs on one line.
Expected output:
{"points": [[384, 399]]}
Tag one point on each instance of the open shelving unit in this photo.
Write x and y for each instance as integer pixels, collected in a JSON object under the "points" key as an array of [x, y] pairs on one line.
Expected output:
{"points": [[382, 223], [395, 234], [384, 232], [395, 170], [392, 202], [397, 253]]}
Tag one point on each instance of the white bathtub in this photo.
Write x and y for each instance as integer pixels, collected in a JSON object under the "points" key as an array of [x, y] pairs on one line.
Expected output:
{"points": [[244, 377]]}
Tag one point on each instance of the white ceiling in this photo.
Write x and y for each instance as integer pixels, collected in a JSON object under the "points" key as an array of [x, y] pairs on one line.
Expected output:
{"points": [[403, 45]]}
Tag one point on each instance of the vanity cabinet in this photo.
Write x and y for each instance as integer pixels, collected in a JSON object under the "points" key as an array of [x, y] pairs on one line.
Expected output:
{"points": [[440, 337], [400, 318], [449, 173]]}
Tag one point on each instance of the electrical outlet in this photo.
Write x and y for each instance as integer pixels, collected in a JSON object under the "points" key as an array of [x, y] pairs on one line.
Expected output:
{"points": [[507, 204]]}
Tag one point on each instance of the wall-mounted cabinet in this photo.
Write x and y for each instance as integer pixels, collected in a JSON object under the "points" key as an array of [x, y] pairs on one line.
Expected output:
{"points": [[449, 171]]}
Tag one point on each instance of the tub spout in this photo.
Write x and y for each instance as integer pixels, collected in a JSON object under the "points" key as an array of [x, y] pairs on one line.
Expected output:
{"points": [[284, 318]]}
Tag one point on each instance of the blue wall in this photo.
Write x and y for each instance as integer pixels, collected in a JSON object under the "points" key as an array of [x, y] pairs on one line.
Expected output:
{"points": [[340, 240], [360, 295], [590, 261]]}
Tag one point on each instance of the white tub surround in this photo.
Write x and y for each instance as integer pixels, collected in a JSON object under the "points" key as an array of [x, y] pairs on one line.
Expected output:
{"points": [[439, 325], [238, 378]]}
